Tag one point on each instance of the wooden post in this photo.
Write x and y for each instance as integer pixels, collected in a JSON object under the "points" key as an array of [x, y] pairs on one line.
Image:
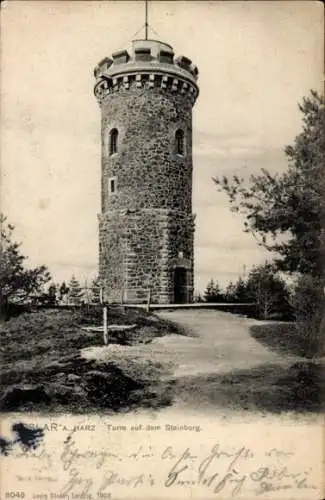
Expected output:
{"points": [[101, 299], [124, 246], [149, 299], [105, 325]]}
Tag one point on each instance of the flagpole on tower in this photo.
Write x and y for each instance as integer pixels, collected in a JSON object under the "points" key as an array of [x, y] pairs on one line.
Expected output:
{"points": [[146, 23]]}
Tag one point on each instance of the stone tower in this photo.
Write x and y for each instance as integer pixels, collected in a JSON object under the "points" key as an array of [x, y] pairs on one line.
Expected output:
{"points": [[146, 226]]}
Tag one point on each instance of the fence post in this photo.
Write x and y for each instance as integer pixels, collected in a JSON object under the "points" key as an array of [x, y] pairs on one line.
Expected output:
{"points": [[149, 299], [105, 325]]}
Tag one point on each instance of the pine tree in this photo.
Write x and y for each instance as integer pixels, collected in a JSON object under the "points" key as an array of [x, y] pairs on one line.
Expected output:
{"points": [[230, 293], [286, 212], [63, 293], [52, 294], [240, 291], [17, 283], [212, 292], [75, 292], [95, 290]]}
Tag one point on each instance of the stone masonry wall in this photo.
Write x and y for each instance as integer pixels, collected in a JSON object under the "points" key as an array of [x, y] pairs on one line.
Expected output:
{"points": [[150, 174], [146, 224], [139, 249]]}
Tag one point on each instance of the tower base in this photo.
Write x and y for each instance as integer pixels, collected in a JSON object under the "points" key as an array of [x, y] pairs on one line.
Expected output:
{"points": [[146, 252]]}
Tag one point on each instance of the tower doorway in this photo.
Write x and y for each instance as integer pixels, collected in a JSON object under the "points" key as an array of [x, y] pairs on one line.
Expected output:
{"points": [[180, 286]]}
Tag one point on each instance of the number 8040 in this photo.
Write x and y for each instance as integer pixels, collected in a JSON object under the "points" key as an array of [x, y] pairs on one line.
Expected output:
{"points": [[14, 494]]}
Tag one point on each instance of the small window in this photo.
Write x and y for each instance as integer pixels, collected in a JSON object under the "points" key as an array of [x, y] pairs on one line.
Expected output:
{"points": [[166, 57], [143, 54], [112, 185], [113, 141], [179, 136]]}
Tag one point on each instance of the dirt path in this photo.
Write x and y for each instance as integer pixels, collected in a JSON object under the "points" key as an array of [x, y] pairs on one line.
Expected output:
{"points": [[218, 367], [222, 343], [218, 342]]}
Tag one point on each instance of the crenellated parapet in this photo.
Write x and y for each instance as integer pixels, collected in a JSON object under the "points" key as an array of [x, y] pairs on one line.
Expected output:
{"points": [[150, 64], [106, 86]]}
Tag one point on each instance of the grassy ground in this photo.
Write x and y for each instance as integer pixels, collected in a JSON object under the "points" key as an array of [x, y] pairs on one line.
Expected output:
{"points": [[268, 388], [288, 338], [41, 367]]}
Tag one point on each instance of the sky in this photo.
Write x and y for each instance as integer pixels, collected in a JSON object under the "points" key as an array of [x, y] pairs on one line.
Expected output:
{"points": [[256, 61]]}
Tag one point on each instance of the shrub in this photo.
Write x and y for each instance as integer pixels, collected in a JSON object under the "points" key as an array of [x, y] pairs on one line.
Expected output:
{"points": [[267, 289], [309, 310], [18, 284]]}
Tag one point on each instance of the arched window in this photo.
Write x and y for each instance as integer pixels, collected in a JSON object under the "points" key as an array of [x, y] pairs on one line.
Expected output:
{"points": [[180, 147], [113, 141]]}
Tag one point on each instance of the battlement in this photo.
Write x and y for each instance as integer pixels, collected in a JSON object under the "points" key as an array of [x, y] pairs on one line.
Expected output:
{"points": [[149, 63]]}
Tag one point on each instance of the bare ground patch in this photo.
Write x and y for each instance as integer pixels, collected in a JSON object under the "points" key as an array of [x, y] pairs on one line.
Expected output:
{"points": [[42, 368]]}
